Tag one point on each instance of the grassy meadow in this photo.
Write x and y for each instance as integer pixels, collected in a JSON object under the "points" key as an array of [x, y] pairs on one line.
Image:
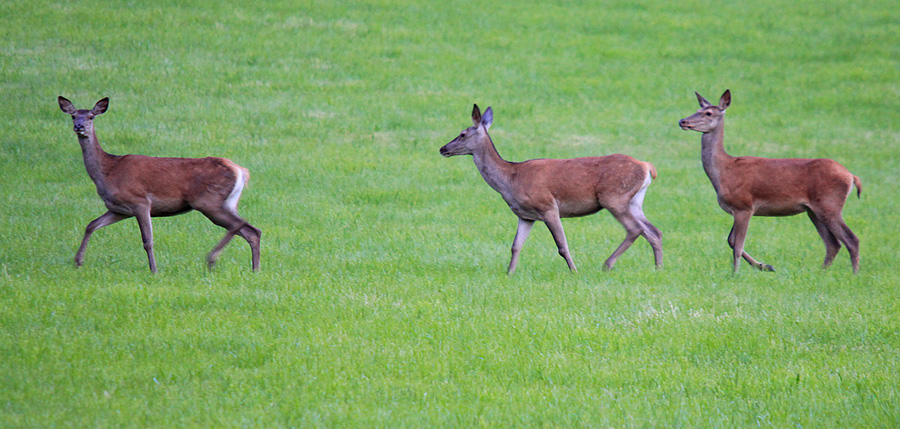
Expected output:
{"points": [[383, 298]]}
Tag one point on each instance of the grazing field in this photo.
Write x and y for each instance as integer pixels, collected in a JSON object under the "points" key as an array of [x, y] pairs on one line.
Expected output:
{"points": [[383, 298]]}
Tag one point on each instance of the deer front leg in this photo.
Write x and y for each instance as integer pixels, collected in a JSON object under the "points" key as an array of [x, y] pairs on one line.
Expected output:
{"points": [[105, 219], [522, 232], [554, 224], [737, 236], [142, 214], [736, 241]]}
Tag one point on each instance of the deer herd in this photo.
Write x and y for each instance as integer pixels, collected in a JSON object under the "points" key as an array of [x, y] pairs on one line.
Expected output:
{"points": [[545, 190]]}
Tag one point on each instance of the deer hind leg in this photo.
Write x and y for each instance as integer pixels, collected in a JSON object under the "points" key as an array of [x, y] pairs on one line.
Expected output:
{"points": [[142, 214], [654, 237], [852, 243], [214, 253], [736, 240], [105, 219], [234, 225], [843, 233], [253, 235], [648, 230], [634, 228], [832, 245], [554, 224], [522, 232]]}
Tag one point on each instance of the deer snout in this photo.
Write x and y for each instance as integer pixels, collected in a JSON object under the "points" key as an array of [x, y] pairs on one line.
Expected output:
{"points": [[446, 152], [684, 124]]}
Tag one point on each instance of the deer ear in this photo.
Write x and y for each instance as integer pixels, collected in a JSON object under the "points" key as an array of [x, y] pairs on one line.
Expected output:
{"points": [[65, 105], [704, 103], [725, 101], [101, 106], [488, 118], [476, 115]]}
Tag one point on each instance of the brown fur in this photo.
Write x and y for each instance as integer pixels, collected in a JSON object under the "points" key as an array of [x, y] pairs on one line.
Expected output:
{"points": [[749, 186], [145, 186], [547, 190]]}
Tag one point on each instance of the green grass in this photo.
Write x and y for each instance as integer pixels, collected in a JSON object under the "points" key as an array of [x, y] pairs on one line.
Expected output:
{"points": [[383, 299]]}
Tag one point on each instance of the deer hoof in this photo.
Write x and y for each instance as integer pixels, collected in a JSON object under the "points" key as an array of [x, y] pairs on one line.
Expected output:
{"points": [[767, 268]]}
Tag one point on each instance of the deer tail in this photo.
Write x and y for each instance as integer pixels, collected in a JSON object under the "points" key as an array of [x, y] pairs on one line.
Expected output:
{"points": [[858, 184], [652, 170], [241, 180]]}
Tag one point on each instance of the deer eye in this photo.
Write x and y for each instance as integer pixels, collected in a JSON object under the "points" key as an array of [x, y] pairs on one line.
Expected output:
{"points": [[708, 114]]}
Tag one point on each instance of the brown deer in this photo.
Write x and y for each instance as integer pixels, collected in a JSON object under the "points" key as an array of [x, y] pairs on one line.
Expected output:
{"points": [[550, 189], [146, 186], [748, 186]]}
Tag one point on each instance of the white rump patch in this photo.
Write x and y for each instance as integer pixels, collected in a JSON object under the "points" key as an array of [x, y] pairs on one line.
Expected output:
{"points": [[235, 195], [636, 206]]}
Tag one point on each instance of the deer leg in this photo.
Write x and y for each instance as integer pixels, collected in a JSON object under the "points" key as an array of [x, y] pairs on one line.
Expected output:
{"points": [[736, 241], [832, 245], [653, 236], [633, 230], [843, 233], [554, 224], [253, 235], [214, 253], [234, 224], [522, 232], [753, 262], [852, 243], [105, 219], [142, 214], [648, 230]]}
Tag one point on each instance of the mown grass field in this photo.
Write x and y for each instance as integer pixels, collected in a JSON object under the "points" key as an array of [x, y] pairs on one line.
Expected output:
{"points": [[383, 298]]}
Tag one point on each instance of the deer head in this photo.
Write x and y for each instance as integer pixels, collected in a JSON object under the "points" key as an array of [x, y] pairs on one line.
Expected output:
{"points": [[472, 137], [708, 116], [83, 119]]}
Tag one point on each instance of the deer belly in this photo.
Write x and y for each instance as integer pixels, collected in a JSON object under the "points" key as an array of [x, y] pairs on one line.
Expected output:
{"points": [[524, 213], [578, 208], [168, 208], [118, 208], [779, 209]]}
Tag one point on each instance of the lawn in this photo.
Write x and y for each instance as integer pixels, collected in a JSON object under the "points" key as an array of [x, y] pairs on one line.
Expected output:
{"points": [[383, 298]]}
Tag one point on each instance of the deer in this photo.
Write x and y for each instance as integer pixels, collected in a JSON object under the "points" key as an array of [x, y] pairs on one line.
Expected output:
{"points": [[143, 187], [548, 190], [748, 186]]}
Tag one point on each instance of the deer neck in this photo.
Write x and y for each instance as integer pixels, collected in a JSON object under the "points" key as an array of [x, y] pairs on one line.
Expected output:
{"points": [[713, 154], [95, 160], [494, 169]]}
